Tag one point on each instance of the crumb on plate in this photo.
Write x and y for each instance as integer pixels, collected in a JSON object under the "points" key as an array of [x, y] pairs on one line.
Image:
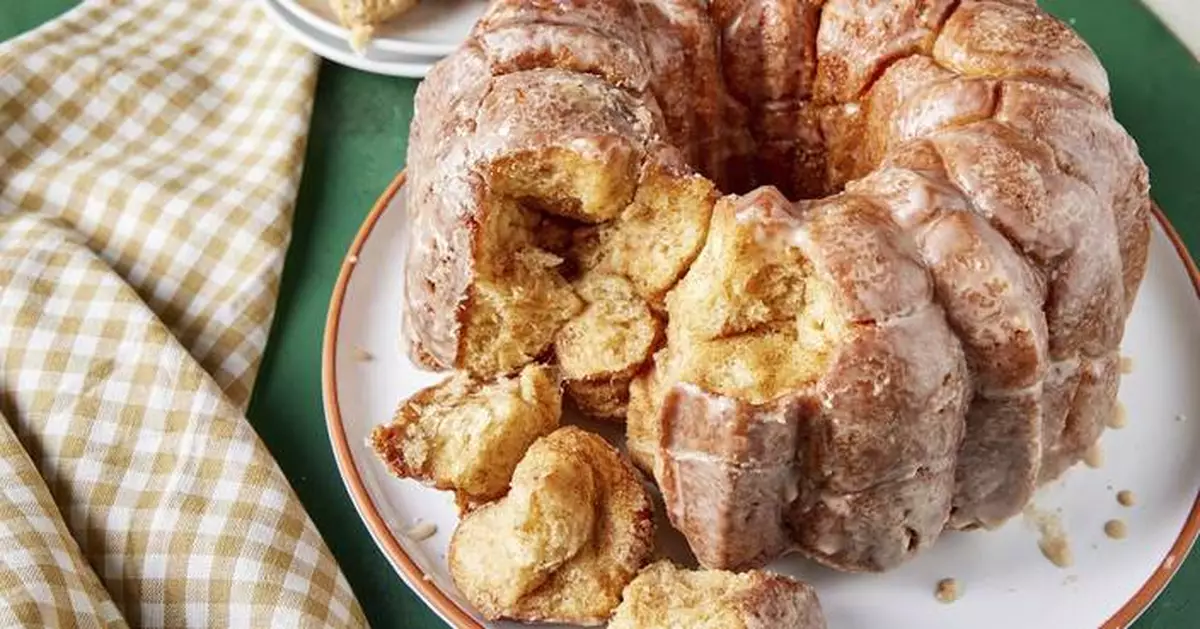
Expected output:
{"points": [[947, 591], [422, 531]]}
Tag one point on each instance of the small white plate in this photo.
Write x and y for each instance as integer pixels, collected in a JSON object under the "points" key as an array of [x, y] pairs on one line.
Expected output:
{"points": [[337, 49], [433, 28], [1006, 582]]}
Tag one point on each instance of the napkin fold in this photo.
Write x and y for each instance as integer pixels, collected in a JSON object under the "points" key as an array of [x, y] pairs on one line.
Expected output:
{"points": [[150, 154]]}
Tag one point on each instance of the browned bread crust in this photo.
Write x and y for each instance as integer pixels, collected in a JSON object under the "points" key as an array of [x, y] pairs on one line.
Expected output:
{"points": [[933, 341], [570, 535], [664, 596]]}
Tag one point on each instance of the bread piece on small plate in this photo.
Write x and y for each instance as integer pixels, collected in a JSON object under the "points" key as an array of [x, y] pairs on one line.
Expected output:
{"points": [[569, 536], [666, 596], [362, 16], [467, 435]]}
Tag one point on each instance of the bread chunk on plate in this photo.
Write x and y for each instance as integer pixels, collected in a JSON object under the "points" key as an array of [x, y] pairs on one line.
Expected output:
{"points": [[362, 16], [560, 547], [665, 596], [467, 435]]}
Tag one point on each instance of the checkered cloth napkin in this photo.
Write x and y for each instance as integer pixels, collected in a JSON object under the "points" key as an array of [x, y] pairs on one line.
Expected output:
{"points": [[149, 158]]}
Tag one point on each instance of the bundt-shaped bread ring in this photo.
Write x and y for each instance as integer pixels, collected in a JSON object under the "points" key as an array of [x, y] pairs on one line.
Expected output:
{"points": [[913, 329]]}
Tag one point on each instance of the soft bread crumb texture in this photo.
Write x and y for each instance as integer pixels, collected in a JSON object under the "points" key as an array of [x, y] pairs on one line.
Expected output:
{"points": [[572, 532], [560, 181], [750, 320], [656, 237], [519, 299], [508, 548], [665, 596], [468, 435], [574, 255], [602, 348]]}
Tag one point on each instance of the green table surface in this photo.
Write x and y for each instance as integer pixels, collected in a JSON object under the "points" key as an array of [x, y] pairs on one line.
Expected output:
{"points": [[357, 142]]}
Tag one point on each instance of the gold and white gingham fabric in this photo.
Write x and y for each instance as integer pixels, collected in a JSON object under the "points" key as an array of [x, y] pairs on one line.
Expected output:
{"points": [[150, 153]]}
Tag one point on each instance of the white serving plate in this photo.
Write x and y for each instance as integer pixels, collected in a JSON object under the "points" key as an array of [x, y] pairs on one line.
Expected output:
{"points": [[1006, 581], [337, 49], [433, 28]]}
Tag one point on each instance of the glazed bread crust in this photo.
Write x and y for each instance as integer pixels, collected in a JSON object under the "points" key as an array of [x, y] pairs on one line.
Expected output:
{"points": [[914, 328]]}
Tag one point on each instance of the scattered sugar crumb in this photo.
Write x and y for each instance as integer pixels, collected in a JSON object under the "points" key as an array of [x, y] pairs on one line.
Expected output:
{"points": [[1052, 540], [1126, 365], [352, 258], [428, 577], [367, 441], [1071, 21], [1094, 456], [947, 591], [1126, 498], [1169, 562], [362, 355], [1119, 418], [422, 531], [1116, 529]]}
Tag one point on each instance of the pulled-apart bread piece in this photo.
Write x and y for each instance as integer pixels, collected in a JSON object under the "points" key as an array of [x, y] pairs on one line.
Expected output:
{"points": [[601, 350], [659, 234], [361, 17], [468, 435], [665, 596], [626, 267], [569, 536]]}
